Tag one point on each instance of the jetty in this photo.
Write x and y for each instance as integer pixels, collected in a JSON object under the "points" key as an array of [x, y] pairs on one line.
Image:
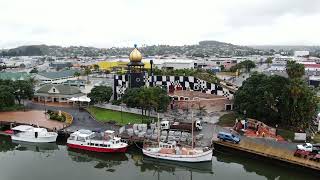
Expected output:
{"points": [[264, 151]]}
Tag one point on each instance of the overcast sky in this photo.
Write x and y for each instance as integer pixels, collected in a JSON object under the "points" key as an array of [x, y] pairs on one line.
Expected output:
{"points": [[114, 23]]}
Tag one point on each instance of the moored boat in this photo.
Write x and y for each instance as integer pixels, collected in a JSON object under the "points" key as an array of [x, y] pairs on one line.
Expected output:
{"points": [[169, 150], [105, 142], [27, 133]]}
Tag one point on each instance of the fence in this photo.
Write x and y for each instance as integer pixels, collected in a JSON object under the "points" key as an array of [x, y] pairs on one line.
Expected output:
{"points": [[126, 109]]}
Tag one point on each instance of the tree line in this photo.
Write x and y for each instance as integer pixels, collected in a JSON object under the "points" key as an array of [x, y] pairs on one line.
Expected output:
{"points": [[278, 100], [145, 98], [12, 92]]}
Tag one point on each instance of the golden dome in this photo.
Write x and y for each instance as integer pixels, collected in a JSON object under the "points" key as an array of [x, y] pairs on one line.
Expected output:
{"points": [[135, 55]]}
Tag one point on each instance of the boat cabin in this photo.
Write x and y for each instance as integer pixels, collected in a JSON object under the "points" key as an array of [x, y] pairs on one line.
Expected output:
{"points": [[89, 138], [170, 144]]}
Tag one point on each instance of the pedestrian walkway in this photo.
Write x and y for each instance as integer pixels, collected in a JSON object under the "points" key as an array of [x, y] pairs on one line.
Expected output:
{"points": [[35, 117]]}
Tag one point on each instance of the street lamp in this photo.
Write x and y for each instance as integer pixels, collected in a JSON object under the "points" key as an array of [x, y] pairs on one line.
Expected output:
{"points": [[44, 104], [122, 104]]}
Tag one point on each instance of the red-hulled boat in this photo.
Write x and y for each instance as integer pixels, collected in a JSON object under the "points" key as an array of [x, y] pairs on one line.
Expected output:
{"points": [[105, 142]]}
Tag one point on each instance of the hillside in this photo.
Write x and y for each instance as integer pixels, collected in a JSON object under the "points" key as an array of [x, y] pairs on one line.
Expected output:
{"points": [[204, 48]]}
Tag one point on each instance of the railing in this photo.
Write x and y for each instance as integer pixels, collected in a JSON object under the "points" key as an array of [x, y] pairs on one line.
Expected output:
{"points": [[124, 109]]}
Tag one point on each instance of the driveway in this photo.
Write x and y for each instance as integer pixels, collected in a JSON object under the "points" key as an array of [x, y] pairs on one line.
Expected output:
{"points": [[81, 118]]}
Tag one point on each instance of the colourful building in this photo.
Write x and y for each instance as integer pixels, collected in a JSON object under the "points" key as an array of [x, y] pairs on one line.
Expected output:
{"points": [[118, 65]]}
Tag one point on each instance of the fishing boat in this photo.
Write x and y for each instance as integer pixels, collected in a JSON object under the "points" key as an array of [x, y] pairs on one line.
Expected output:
{"points": [[32, 134], [105, 142], [171, 151]]}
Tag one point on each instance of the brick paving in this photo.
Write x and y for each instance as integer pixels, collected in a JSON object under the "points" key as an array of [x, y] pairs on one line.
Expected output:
{"points": [[31, 117]]}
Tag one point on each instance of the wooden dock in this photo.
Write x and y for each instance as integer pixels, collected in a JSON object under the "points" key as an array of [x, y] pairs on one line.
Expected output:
{"points": [[268, 152]]}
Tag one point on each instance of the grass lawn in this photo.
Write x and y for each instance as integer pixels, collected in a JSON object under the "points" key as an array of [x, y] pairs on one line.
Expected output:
{"points": [[227, 119], [286, 134], [105, 115]]}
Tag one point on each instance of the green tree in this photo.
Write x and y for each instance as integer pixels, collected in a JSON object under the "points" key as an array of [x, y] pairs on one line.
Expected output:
{"points": [[77, 74], [248, 65], [294, 70], [22, 90], [100, 94], [87, 71], [300, 105], [96, 67], [277, 100], [269, 61], [6, 96], [152, 98], [222, 67]]}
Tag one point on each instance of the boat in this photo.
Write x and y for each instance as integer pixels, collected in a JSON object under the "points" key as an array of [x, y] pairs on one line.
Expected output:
{"points": [[105, 142], [170, 150], [32, 134]]}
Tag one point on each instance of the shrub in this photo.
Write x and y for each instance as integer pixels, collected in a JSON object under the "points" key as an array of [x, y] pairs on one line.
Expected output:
{"points": [[55, 116]]}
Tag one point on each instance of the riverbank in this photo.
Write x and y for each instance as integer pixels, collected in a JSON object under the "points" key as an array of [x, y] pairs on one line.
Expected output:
{"points": [[268, 152], [56, 161]]}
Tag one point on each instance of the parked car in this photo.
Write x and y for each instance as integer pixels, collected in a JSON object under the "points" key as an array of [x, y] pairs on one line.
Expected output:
{"points": [[228, 137], [305, 147], [309, 147]]}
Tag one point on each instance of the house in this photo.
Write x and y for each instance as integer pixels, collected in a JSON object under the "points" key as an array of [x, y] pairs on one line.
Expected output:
{"points": [[174, 63], [77, 83], [56, 93], [56, 77]]}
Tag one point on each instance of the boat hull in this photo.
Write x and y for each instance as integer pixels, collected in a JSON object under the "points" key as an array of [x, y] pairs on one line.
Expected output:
{"points": [[203, 157], [97, 149], [47, 139]]}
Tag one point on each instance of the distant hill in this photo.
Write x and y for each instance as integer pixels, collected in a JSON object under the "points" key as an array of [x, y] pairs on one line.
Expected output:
{"points": [[203, 49], [314, 50]]}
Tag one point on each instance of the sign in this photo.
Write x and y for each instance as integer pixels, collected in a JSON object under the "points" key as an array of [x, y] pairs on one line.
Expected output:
{"points": [[300, 136]]}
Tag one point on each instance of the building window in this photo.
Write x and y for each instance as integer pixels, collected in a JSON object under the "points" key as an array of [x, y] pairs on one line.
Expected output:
{"points": [[54, 90]]}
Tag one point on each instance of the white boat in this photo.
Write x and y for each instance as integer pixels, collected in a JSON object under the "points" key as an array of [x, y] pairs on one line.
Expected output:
{"points": [[170, 151], [98, 142], [31, 134]]}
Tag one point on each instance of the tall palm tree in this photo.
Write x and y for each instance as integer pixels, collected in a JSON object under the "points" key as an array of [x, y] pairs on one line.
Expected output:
{"points": [[87, 71]]}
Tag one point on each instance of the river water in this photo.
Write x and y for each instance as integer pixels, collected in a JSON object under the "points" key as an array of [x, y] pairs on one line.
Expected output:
{"points": [[51, 162]]}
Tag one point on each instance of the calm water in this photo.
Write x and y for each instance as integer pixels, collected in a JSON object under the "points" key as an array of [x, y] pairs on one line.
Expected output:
{"points": [[52, 162]]}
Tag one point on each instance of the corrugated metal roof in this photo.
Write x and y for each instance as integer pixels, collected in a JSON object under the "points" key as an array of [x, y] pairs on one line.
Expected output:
{"points": [[14, 76], [63, 89], [58, 74]]}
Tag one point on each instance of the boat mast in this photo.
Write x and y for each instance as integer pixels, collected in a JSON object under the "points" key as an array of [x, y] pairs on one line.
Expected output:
{"points": [[158, 130], [192, 128]]}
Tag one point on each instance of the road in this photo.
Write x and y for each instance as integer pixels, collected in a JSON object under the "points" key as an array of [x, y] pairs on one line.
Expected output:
{"points": [[81, 118]]}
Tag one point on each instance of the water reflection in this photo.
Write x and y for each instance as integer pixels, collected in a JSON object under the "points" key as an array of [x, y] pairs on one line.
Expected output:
{"points": [[266, 168], [157, 165], [64, 160], [6, 145], [101, 160], [36, 147]]}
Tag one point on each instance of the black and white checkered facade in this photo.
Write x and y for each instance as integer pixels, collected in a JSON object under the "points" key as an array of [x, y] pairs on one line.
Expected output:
{"points": [[121, 83]]}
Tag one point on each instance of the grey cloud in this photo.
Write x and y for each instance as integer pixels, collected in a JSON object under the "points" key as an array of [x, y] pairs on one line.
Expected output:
{"points": [[259, 12]]}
